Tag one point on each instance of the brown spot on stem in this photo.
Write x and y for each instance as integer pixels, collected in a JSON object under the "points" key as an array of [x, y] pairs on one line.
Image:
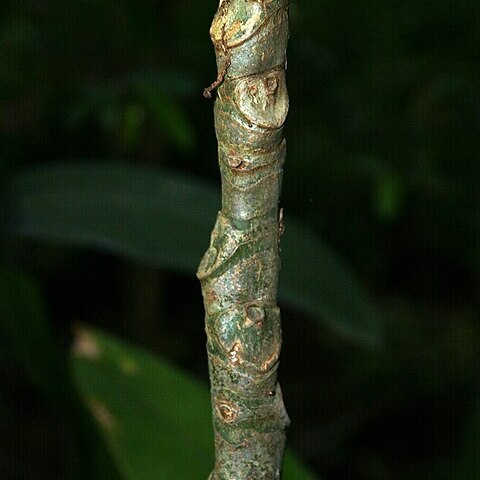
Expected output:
{"points": [[271, 84], [233, 354], [281, 223], [234, 161], [227, 411], [255, 313], [271, 360]]}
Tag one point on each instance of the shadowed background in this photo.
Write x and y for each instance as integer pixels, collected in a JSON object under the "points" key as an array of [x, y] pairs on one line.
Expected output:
{"points": [[109, 189]]}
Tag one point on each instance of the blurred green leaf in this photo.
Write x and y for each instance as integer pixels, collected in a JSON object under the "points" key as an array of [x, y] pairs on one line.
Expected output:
{"points": [[100, 101], [177, 83], [314, 280], [464, 465], [165, 219], [293, 469], [154, 95], [388, 197], [468, 465], [133, 117], [169, 117], [155, 419], [24, 325]]}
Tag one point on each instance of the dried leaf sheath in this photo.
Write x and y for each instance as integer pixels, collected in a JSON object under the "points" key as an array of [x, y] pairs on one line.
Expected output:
{"points": [[239, 272]]}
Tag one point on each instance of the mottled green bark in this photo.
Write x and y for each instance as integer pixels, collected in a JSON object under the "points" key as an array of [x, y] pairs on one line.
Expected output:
{"points": [[239, 272]]}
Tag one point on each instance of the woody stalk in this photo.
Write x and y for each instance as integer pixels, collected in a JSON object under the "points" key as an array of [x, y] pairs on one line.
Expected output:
{"points": [[239, 272]]}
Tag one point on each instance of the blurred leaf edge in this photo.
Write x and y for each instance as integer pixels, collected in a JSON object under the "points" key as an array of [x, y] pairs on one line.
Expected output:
{"points": [[93, 351], [164, 218]]}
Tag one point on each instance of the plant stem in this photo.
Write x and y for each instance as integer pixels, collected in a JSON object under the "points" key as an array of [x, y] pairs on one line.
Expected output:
{"points": [[239, 272]]}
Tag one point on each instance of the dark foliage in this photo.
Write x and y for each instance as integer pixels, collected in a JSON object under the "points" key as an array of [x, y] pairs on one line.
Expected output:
{"points": [[383, 167]]}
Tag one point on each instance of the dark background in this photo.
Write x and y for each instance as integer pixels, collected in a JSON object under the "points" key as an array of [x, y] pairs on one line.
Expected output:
{"points": [[383, 161]]}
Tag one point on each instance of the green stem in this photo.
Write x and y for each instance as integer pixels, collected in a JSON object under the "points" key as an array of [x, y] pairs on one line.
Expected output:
{"points": [[239, 272]]}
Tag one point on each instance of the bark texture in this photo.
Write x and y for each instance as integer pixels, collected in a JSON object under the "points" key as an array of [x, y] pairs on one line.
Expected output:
{"points": [[239, 272]]}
